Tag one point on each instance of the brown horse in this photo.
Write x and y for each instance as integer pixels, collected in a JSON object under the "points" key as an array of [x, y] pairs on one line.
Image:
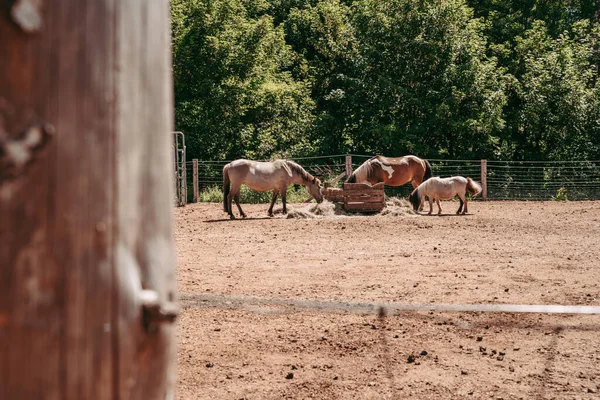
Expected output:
{"points": [[264, 176], [392, 171], [444, 189]]}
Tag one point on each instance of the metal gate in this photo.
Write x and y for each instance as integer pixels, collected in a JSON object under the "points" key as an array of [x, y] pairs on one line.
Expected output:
{"points": [[180, 173]]}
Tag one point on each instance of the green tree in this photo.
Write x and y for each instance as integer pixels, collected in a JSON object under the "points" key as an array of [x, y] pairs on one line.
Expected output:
{"points": [[324, 37], [558, 93], [499, 79], [234, 92], [428, 86]]}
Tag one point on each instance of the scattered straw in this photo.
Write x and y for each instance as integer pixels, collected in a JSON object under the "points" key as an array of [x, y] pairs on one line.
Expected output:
{"points": [[397, 207], [394, 206], [326, 209]]}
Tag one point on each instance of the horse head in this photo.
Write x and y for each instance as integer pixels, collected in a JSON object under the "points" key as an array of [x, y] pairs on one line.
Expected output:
{"points": [[315, 188], [414, 199]]}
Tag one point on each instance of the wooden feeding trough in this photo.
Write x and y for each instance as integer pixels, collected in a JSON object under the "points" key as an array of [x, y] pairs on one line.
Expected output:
{"points": [[356, 197], [332, 193], [362, 197]]}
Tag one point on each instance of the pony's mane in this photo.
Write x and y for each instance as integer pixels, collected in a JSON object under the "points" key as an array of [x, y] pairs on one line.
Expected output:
{"points": [[366, 167], [299, 170], [414, 198]]}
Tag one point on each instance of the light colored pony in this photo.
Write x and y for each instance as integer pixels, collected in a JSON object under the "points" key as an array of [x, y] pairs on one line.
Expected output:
{"points": [[444, 189], [263, 176], [392, 171]]}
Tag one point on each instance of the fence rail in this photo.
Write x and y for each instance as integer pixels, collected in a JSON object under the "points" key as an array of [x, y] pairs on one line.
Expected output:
{"points": [[502, 180], [381, 308]]}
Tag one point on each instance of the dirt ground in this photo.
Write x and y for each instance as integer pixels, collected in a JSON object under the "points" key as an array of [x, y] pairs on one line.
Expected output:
{"points": [[501, 253]]}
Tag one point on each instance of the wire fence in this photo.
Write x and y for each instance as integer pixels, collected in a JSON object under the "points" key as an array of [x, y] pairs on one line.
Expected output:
{"points": [[506, 180], [576, 180]]}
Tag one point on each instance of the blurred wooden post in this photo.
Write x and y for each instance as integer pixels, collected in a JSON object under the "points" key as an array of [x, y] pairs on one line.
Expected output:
{"points": [[348, 166], [195, 177], [87, 276], [484, 192]]}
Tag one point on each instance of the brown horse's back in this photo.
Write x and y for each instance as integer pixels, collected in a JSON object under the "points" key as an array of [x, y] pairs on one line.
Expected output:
{"points": [[397, 171]]}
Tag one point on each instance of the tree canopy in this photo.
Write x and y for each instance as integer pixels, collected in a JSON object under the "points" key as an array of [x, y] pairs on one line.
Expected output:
{"points": [[497, 79]]}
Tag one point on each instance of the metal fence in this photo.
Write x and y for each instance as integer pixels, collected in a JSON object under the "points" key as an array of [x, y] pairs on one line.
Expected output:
{"points": [[533, 180], [505, 180]]}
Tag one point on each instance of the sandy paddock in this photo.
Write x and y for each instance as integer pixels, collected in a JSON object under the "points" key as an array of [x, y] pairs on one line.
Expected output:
{"points": [[502, 252]]}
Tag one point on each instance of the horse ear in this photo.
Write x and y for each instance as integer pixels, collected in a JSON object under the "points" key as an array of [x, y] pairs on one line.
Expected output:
{"points": [[314, 180]]}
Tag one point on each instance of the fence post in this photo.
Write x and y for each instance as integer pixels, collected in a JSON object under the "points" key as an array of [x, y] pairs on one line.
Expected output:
{"points": [[348, 166], [110, 175], [195, 177], [484, 192]]}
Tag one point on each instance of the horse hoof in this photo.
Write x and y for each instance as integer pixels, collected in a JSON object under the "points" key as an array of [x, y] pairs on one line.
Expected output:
{"points": [[244, 215], [232, 217], [271, 215]]}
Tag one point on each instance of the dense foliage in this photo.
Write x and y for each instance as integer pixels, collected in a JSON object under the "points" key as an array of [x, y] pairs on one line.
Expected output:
{"points": [[497, 79]]}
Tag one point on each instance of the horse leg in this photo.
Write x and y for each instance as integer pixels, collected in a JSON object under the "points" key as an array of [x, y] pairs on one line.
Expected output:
{"points": [[461, 205], [275, 193], [230, 193], [283, 195], [465, 200], [237, 203], [229, 208], [437, 200], [429, 199]]}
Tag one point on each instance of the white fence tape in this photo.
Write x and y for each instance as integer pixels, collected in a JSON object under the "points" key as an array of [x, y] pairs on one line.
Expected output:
{"points": [[386, 308]]}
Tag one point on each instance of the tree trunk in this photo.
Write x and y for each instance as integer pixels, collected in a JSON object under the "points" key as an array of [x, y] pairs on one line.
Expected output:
{"points": [[87, 276]]}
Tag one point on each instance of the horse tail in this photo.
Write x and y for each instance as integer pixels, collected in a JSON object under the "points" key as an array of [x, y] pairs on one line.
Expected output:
{"points": [[473, 187], [428, 173], [226, 185]]}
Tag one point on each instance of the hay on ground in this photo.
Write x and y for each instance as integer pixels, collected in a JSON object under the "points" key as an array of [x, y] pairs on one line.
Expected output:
{"points": [[326, 209], [394, 206], [397, 207]]}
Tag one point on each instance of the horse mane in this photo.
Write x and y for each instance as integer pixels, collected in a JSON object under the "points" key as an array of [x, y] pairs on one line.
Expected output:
{"points": [[415, 199], [297, 168], [366, 166]]}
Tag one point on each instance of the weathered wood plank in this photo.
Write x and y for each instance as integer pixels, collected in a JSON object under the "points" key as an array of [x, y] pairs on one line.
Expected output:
{"points": [[89, 223], [362, 197], [358, 199], [364, 186], [334, 194], [362, 207], [195, 179], [355, 204], [145, 234], [357, 186], [348, 163], [363, 193], [484, 180]]}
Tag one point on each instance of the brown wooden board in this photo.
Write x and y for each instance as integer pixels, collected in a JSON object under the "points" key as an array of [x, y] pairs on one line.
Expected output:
{"points": [[362, 197], [363, 200], [334, 194], [362, 193], [364, 186], [363, 207], [88, 223], [359, 195]]}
